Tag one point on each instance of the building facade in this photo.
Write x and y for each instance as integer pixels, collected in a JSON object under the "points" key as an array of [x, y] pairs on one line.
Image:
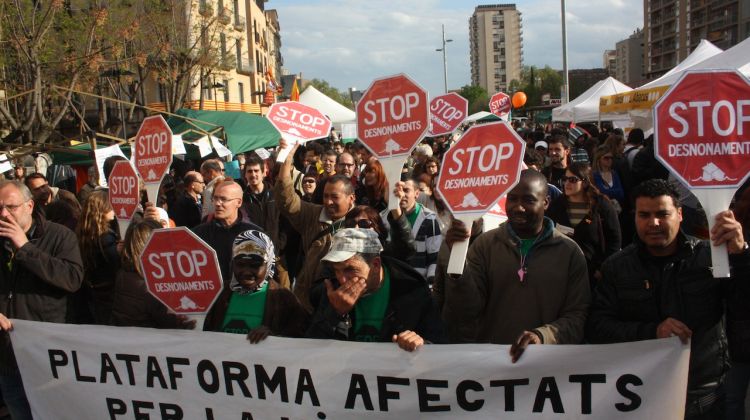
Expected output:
{"points": [[629, 60], [248, 44], [496, 46], [673, 28], [609, 61]]}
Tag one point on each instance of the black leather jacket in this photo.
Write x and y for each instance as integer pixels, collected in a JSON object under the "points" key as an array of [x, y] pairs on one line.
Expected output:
{"points": [[639, 291]]}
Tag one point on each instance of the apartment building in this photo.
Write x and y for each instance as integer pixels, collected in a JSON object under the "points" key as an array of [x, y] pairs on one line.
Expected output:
{"points": [[629, 59], [248, 43], [496, 46], [609, 61], [673, 28]]}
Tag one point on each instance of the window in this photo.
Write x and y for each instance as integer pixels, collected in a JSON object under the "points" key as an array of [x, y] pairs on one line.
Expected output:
{"points": [[223, 41], [236, 12], [241, 90], [238, 51], [226, 90]]}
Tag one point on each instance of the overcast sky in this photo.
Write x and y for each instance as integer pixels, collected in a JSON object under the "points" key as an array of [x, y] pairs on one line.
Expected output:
{"points": [[351, 42]]}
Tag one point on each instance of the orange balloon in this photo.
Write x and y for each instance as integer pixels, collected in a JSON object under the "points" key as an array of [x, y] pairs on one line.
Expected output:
{"points": [[519, 99]]}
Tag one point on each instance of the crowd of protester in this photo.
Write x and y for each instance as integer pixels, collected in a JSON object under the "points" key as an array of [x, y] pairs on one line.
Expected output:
{"points": [[601, 245]]}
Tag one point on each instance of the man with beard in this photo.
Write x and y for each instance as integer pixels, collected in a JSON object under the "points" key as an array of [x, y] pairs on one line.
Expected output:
{"points": [[523, 283], [558, 152]]}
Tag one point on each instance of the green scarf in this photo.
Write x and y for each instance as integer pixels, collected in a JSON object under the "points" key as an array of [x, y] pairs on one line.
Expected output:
{"points": [[369, 312], [245, 311]]}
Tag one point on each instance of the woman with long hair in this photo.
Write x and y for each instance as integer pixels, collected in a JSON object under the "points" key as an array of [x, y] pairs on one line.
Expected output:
{"points": [[98, 244], [606, 178], [587, 216], [133, 305], [374, 191]]}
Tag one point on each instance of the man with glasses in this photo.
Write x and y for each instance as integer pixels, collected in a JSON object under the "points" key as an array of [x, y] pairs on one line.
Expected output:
{"points": [[345, 165], [219, 232], [40, 267]]}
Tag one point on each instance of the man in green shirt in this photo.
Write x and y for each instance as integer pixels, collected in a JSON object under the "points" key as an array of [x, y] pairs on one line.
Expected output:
{"points": [[374, 298]]}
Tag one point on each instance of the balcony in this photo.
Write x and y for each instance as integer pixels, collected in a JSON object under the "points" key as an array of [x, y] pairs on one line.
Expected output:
{"points": [[245, 65], [206, 8], [225, 16], [239, 23]]}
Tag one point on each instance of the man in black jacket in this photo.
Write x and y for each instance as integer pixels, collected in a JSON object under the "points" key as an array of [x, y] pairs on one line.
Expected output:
{"points": [[374, 298], [662, 286], [40, 267]]}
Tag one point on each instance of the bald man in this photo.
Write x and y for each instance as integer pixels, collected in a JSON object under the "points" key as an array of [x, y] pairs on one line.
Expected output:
{"points": [[226, 224], [186, 209]]}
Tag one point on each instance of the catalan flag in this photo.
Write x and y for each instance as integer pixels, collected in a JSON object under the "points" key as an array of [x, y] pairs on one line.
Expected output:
{"points": [[295, 92]]}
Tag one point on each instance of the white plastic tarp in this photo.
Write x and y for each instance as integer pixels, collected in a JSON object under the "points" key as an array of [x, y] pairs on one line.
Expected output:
{"points": [[477, 116], [586, 106], [702, 52], [334, 110]]}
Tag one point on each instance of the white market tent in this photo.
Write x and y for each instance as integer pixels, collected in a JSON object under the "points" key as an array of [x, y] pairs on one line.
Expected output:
{"points": [[703, 51], [640, 112], [335, 111], [586, 106]]}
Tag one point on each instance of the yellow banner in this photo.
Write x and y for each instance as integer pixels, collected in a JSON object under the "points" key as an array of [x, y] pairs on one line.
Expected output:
{"points": [[635, 99]]}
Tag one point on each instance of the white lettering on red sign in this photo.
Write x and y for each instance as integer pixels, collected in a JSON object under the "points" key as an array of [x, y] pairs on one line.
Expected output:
{"points": [[188, 264], [446, 111], [123, 184], [736, 119], [397, 108], [489, 158], [296, 115], [152, 144]]}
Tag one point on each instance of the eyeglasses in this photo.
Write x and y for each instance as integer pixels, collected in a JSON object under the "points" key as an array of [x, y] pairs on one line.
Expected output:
{"points": [[222, 200], [346, 165], [361, 223], [11, 207], [308, 181], [571, 179]]}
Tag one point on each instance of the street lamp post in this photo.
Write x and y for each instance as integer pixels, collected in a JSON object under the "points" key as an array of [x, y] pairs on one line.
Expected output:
{"points": [[445, 62], [566, 85]]}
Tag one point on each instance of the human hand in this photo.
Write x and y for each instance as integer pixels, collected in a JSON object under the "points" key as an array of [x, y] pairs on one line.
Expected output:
{"points": [[727, 230], [259, 334], [9, 228], [671, 327], [151, 213], [343, 299], [456, 233], [186, 323], [5, 323], [408, 340], [523, 341]]}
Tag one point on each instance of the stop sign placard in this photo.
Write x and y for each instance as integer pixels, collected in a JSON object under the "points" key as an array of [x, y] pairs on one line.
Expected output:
{"points": [[702, 129], [298, 122], [482, 166], [153, 149], [124, 192], [447, 112], [181, 270], [392, 116], [500, 104]]}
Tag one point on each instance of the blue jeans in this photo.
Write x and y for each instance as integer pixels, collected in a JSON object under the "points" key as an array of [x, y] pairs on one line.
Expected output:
{"points": [[14, 396], [736, 389]]}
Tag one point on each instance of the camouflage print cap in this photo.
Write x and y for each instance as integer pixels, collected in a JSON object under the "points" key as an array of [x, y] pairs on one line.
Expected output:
{"points": [[349, 242]]}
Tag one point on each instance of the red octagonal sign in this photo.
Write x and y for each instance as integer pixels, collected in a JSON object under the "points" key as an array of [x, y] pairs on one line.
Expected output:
{"points": [[153, 149], [392, 116], [124, 192], [482, 166], [702, 129], [298, 122], [500, 104], [447, 112], [181, 270]]}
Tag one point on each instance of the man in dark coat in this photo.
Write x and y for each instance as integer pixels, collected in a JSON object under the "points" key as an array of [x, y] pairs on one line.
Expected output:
{"points": [[374, 298], [40, 268]]}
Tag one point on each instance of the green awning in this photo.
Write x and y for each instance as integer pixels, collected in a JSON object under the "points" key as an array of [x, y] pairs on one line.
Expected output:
{"points": [[72, 158], [243, 132]]}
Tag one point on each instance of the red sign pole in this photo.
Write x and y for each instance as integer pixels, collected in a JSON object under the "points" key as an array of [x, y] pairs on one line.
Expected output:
{"points": [[702, 135], [476, 172]]}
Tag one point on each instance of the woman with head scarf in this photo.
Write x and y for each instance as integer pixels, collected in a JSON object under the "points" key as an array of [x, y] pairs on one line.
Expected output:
{"points": [[255, 304]]}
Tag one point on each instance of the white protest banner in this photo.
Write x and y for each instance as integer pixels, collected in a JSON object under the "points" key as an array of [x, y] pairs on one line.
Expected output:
{"points": [[178, 146], [101, 372]]}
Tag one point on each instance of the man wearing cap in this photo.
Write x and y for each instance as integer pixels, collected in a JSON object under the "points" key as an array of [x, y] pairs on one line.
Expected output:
{"points": [[374, 298]]}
